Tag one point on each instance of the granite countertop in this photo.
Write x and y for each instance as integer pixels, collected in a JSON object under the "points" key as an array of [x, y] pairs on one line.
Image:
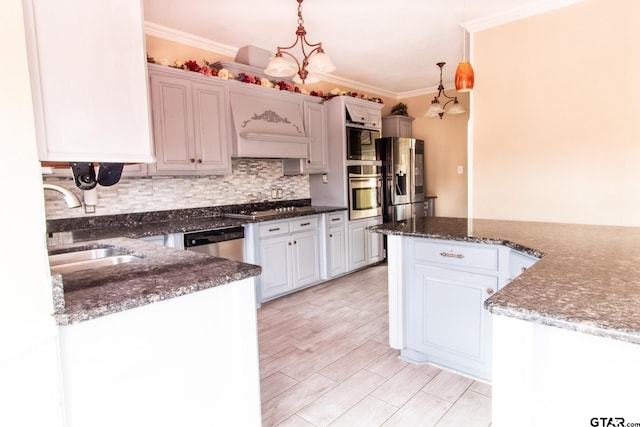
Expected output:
{"points": [[162, 273], [587, 280], [145, 224]]}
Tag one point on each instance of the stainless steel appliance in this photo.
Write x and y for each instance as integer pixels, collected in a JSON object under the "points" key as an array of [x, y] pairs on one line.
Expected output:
{"points": [[403, 177], [222, 242], [361, 142], [365, 191], [267, 213]]}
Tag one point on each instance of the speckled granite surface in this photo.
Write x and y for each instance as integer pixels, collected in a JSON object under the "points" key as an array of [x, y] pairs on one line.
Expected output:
{"points": [[588, 279], [162, 273], [166, 222]]}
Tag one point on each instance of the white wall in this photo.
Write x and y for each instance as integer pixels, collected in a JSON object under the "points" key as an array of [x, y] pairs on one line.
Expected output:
{"points": [[29, 382]]}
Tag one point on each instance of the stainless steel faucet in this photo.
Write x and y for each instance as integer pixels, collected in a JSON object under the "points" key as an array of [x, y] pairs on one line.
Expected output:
{"points": [[71, 199]]}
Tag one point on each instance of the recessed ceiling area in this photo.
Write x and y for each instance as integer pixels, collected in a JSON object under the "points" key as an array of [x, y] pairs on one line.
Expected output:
{"points": [[381, 46]]}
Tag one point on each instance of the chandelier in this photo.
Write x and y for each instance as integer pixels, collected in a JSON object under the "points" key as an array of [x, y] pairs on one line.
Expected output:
{"points": [[436, 108], [315, 61]]}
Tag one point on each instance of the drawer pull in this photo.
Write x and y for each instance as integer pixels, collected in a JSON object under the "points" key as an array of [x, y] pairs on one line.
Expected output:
{"points": [[452, 255], [305, 224], [335, 219], [489, 291], [274, 229]]}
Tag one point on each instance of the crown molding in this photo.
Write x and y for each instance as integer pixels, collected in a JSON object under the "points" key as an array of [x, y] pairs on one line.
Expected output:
{"points": [[521, 12], [177, 36]]}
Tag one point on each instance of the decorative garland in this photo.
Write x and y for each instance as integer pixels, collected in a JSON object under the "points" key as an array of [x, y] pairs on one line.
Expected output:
{"points": [[209, 70]]}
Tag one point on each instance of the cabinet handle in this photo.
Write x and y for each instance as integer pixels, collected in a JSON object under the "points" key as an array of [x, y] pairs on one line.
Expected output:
{"points": [[452, 255], [295, 242], [489, 291], [289, 243], [304, 224], [308, 161], [192, 160], [523, 269], [330, 235], [274, 229], [335, 219], [199, 160]]}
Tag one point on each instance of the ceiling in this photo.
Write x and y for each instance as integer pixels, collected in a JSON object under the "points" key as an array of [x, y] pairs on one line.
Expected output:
{"points": [[389, 48]]}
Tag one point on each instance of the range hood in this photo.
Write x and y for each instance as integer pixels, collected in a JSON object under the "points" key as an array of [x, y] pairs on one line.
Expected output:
{"points": [[268, 126]]}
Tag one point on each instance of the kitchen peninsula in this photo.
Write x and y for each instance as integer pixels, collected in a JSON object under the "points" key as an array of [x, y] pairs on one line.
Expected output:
{"points": [[563, 336]]}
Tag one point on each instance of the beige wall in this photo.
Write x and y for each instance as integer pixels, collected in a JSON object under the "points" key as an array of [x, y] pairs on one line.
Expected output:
{"points": [[445, 150], [557, 116]]}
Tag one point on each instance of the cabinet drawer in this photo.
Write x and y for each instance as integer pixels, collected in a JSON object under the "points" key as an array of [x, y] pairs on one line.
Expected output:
{"points": [[335, 219], [273, 229], [458, 255], [306, 223]]}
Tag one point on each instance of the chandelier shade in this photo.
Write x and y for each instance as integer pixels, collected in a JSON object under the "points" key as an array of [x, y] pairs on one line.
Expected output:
{"points": [[315, 61], [436, 109]]}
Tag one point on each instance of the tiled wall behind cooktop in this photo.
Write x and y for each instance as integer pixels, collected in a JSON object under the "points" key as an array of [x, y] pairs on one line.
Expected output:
{"points": [[251, 181]]}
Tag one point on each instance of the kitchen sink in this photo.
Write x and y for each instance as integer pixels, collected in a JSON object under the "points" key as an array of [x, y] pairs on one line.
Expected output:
{"points": [[87, 259], [83, 255]]}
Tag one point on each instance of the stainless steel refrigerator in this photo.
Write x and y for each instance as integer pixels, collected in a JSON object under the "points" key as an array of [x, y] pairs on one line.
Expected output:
{"points": [[403, 177]]}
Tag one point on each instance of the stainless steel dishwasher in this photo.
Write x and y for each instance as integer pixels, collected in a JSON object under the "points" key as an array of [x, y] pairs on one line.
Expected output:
{"points": [[221, 242]]}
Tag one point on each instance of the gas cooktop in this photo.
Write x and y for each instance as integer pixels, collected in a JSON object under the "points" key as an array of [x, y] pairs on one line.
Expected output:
{"points": [[266, 213]]}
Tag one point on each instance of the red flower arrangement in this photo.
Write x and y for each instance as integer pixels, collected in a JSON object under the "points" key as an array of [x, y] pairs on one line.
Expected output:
{"points": [[210, 70]]}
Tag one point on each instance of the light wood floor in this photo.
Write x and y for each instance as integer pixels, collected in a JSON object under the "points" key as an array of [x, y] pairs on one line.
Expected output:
{"points": [[325, 360]]}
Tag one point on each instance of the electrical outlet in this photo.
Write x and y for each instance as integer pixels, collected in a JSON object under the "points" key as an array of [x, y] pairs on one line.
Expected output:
{"points": [[460, 170], [274, 193], [325, 178], [279, 193]]}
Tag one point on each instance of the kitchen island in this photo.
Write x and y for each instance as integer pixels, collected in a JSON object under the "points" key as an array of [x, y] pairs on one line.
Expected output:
{"points": [[565, 332], [167, 339]]}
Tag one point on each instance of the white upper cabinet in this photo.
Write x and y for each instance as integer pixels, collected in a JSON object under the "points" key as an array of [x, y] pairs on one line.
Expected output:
{"points": [[315, 123], [88, 71], [189, 123]]}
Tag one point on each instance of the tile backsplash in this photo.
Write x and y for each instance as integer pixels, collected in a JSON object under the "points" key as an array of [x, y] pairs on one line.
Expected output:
{"points": [[252, 180]]}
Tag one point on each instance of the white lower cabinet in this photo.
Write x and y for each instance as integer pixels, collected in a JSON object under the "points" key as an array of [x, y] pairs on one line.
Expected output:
{"points": [[449, 323], [365, 247], [334, 244], [437, 292], [289, 254]]}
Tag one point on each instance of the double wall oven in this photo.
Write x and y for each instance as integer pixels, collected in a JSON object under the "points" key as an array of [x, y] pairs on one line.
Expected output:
{"points": [[364, 172]]}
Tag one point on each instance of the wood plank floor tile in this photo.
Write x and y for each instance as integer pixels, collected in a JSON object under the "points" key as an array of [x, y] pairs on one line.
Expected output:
{"points": [[341, 398], [471, 410], [353, 361], [448, 385], [275, 384], [366, 413], [422, 410], [292, 400], [388, 364], [325, 360], [400, 388]]}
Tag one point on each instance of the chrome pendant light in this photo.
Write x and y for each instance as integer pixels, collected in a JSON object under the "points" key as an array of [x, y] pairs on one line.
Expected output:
{"points": [[315, 61], [436, 109]]}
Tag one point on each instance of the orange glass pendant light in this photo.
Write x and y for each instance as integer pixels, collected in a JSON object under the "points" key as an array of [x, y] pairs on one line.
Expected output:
{"points": [[464, 73], [464, 76]]}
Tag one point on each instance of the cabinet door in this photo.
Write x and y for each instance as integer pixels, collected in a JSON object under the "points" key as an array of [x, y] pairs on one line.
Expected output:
{"points": [[211, 133], [375, 243], [315, 122], [448, 322], [358, 236], [337, 251], [275, 255], [96, 110], [172, 105], [306, 258]]}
